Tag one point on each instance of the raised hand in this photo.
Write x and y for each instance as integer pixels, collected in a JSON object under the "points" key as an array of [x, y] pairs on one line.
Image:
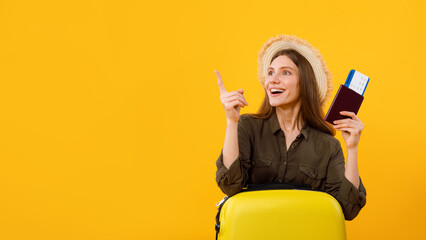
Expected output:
{"points": [[232, 101], [351, 128]]}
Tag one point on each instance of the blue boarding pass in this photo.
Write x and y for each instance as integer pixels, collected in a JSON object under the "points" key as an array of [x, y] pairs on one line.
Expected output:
{"points": [[357, 82]]}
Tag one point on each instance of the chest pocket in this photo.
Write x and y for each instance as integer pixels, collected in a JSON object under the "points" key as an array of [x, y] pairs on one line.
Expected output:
{"points": [[262, 171], [260, 161], [313, 176]]}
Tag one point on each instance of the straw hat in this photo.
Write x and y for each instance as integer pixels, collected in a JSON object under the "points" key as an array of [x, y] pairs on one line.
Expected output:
{"points": [[283, 42]]}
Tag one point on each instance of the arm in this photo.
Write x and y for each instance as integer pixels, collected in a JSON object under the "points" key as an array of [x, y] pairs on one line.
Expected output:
{"points": [[233, 178], [351, 171], [351, 194], [351, 131], [230, 147], [234, 160], [351, 198]]}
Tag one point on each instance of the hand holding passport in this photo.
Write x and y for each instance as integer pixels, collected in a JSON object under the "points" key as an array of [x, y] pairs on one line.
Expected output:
{"points": [[349, 96]]}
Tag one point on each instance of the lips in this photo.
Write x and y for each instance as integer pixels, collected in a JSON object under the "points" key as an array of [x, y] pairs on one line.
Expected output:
{"points": [[276, 91]]}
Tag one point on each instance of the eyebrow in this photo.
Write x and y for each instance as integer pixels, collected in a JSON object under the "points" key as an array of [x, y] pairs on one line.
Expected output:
{"points": [[282, 68]]}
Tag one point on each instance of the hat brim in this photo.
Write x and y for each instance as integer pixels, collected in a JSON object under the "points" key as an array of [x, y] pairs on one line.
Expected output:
{"points": [[283, 42]]}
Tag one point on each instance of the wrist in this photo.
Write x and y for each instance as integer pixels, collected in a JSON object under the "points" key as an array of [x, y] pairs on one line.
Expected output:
{"points": [[230, 122], [353, 150]]}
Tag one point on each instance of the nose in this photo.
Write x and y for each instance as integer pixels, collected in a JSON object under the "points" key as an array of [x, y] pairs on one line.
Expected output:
{"points": [[272, 79]]}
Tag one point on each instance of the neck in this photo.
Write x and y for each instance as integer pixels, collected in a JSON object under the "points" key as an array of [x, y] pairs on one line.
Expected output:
{"points": [[287, 117]]}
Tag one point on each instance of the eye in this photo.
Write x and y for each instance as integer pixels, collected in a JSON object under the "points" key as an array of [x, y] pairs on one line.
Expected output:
{"points": [[285, 73], [270, 73]]}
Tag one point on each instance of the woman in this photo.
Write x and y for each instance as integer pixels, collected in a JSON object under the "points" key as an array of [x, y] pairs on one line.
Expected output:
{"points": [[288, 140]]}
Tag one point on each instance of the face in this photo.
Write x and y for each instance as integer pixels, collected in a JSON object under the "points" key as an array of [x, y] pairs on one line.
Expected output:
{"points": [[282, 75]]}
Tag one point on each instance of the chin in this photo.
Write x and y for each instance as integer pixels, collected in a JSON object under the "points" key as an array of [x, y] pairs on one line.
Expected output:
{"points": [[282, 102], [275, 102], [279, 104]]}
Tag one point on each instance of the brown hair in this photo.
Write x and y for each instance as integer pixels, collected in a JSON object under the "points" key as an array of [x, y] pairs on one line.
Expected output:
{"points": [[311, 111]]}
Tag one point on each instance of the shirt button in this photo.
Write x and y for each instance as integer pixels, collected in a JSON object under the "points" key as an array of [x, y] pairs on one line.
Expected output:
{"points": [[285, 163]]}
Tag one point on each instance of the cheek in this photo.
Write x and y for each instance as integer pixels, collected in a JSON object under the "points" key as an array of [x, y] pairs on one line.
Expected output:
{"points": [[295, 84], [298, 90]]}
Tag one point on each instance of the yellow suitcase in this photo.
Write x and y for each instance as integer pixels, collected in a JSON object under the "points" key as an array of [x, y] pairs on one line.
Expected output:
{"points": [[280, 214]]}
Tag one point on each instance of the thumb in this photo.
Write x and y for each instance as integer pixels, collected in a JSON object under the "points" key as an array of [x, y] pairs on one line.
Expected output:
{"points": [[241, 91]]}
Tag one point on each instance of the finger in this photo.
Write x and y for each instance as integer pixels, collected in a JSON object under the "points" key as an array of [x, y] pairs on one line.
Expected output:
{"points": [[239, 102], [234, 96], [344, 125], [230, 105], [233, 93], [220, 82], [345, 129], [351, 130], [352, 124], [346, 120], [349, 114]]}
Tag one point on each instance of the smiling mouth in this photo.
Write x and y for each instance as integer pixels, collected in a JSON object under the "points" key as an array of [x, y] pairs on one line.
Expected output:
{"points": [[276, 92]]}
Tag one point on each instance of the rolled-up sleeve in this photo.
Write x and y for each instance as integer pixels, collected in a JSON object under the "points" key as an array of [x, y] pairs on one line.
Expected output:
{"points": [[232, 180], [351, 199]]}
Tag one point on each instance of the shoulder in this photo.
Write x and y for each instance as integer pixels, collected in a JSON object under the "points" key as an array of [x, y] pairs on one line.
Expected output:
{"points": [[248, 119], [251, 124]]}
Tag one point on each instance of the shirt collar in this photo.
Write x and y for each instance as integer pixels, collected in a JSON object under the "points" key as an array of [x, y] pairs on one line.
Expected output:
{"points": [[275, 126]]}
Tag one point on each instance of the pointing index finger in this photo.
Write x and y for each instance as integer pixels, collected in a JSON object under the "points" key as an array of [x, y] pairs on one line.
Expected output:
{"points": [[220, 82]]}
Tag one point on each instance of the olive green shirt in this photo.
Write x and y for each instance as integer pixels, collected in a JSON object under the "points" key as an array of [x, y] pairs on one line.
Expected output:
{"points": [[314, 158]]}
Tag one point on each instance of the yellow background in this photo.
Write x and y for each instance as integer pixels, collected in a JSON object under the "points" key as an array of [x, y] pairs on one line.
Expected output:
{"points": [[111, 123]]}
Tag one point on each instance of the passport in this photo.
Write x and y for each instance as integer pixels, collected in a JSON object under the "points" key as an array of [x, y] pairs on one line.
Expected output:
{"points": [[349, 97]]}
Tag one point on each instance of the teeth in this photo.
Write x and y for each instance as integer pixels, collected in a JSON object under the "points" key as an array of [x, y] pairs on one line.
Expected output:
{"points": [[277, 90]]}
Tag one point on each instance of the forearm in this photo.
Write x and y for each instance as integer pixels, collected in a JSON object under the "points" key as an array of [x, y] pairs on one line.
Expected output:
{"points": [[230, 146], [351, 171]]}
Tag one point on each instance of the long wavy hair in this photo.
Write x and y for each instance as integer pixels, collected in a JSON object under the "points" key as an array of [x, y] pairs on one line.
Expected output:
{"points": [[311, 111]]}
